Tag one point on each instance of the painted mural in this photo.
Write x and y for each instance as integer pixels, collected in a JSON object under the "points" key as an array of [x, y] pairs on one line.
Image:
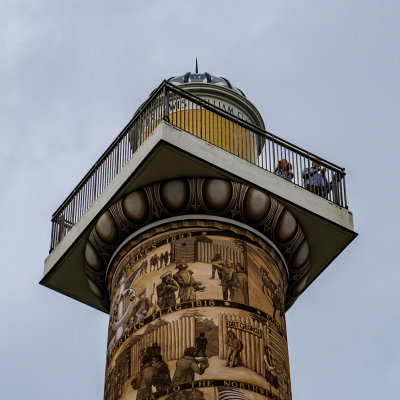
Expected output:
{"points": [[193, 305]]}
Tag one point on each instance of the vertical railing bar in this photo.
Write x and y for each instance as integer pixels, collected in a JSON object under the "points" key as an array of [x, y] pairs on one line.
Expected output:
{"points": [[100, 182], [247, 145], [250, 142], [193, 112], [248, 154], [293, 165], [87, 204], [117, 155], [81, 202], [113, 165], [201, 122], [330, 179], [309, 168], [237, 138], [254, 148], [273, 154], [212, 127], [220, 132], [241, 141], [184, 114], [109, 169], [223, 138], [210, 133], [266, 150], [227, 135], [180, 113], [105, 173], [344, 191], [140, 130], [158, 110], [191, 119], [197, 119], [232, 136]]}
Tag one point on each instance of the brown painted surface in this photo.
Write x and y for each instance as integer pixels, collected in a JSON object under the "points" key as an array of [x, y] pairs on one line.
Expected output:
{"points": [[197, 314]]}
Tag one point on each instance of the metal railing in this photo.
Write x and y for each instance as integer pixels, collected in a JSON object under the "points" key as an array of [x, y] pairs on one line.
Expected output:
{"points": [[208, 122]]}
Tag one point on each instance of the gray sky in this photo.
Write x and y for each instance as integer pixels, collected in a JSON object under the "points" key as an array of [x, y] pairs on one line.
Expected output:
{"points": [[323, 74]]}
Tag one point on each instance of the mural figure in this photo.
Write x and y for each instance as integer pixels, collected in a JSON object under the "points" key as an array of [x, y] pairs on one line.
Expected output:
{"points": [[270, 369], [240, 285], [166, 291], [143, 267], [143, 307], [194, 394], [144, 380], [226, 271], [187, 366], [277, 302], [113, 389], [164, 258], [266, 280], [154, 262], [201, 344], [153, 372], [235, 346], [162, 378], [187, 284], [215, 262], [285, 390], [151, 351], [273, 292]]}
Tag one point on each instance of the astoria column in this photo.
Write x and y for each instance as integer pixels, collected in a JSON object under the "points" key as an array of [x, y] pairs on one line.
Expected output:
{"points": [[196, 231]]}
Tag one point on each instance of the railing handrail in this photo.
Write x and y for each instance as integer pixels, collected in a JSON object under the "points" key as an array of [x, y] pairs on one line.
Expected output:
{"points": [[252, 127]]}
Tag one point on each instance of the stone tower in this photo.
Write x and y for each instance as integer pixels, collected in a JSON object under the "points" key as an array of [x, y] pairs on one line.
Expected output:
{"points": [[195, 231]]}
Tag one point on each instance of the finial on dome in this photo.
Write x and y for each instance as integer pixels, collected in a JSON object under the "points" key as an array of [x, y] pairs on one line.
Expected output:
{"points": [[197, 67]]}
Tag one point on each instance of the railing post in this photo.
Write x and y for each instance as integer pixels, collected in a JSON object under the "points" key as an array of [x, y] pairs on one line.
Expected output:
{"points": [[335, 189], [344, 190], [166, 105]]}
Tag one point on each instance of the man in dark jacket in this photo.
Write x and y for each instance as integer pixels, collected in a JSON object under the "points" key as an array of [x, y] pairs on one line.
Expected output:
{"points": [[166, 291], [144, 379], [201, 344], [235, 346], [162, 378], [187, 366]]}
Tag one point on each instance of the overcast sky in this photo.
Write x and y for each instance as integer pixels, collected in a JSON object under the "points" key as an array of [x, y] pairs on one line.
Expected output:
{"points": [[323, 74]]}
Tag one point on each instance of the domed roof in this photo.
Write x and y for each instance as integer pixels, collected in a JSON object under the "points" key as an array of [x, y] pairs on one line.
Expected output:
{"points": [[205, 77]]}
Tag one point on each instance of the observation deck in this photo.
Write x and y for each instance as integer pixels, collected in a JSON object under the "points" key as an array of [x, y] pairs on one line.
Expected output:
{"points": [[184, 130]]}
